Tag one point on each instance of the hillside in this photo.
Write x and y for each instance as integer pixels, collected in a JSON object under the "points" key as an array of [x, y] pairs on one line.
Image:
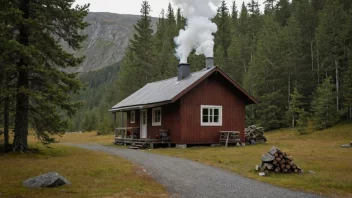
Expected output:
{"points": [[108, 36]]}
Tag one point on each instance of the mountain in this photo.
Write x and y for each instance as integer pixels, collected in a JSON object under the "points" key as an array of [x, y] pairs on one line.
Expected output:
{"points": [[108, 36]]}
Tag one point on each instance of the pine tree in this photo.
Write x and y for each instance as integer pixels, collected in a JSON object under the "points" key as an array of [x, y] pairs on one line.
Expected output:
{"points": [[347, 91], [234, 16], [331, 34], [296, 106], [269, 6], [223, 36], [180, 20], [323, 105], [137, 68], [283, 12], [42, 88]]}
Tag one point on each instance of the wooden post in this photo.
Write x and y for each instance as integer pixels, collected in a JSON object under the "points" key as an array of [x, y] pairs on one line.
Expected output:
{"points": [[227, 139], [114, 121]]}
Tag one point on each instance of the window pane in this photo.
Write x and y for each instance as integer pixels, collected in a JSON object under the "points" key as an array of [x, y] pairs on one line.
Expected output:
{"points": [[216, 112], [211, 112], [211, 118], [205, 118], [216, 119], [205, 111]]}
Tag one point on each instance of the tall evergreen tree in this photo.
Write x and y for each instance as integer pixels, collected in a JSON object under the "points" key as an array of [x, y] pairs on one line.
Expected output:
{"points": [[323, 105], [137, 67], [295, 107], [332, 33], [223, 36], [42, 89], [283, 12]]}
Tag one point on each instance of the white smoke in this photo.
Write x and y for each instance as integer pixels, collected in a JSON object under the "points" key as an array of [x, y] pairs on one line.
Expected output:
{"points": [[199, 28]]}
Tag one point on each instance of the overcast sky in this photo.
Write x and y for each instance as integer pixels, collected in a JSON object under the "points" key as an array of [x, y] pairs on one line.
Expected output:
{"points": [[134, 6]]}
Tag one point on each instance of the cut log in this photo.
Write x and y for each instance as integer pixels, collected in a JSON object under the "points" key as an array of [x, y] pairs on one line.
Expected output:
{"points": [[276, 155], [277, 169], [278, 159], [269, 166], [263, 167], [282, 166], [274, 162], [281, 156], [282, 161], [273, 151], [288, 166], [285, 170]]}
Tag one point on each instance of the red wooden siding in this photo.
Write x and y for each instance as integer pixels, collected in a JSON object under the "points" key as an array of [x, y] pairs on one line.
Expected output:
{"points": [[170, 120], [215, 90]]}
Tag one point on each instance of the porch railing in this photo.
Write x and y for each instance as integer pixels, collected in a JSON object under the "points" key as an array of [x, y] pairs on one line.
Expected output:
{"points": [[127, 132]]}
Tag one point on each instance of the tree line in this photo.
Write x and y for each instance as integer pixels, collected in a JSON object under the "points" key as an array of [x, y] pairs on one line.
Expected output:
{"points": [[295, 58]]}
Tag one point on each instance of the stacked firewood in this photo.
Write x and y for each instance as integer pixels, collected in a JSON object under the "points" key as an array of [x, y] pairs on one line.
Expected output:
{"points": [[254, 134], [278, 161]]}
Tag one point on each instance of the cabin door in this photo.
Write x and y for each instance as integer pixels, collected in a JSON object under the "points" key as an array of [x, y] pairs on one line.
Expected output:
{"points": [[143, 123]]}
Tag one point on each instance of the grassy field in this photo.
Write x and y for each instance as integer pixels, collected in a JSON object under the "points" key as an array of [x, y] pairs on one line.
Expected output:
{"points": [[319, 151], [93, 174]]}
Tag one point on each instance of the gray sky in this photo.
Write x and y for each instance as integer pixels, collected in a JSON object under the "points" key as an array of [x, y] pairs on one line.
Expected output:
{"points": [[134, 6]]}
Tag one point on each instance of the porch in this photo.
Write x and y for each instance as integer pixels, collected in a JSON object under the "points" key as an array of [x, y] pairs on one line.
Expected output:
{"points": [[131, 136]]}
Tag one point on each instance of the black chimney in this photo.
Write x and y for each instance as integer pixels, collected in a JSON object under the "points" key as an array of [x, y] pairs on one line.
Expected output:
{"points": [[209, 62], [183, 71]]}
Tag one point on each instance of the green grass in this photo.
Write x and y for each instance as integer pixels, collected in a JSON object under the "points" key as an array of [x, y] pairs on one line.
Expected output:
{"points": [[93, 174], [319, 151]]}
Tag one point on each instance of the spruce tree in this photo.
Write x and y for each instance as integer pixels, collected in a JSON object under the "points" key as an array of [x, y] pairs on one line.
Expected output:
{"points": [[295, 107], [223, 36], [42, 88], [323, 105], [138, 65]]}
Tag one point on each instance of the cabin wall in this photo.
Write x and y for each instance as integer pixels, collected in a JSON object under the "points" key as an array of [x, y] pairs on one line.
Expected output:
{"points": [[215, 90], [170, 120]]}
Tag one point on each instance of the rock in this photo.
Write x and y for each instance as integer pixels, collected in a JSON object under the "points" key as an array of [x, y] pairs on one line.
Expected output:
{"points": [[215, 145], [181, 145], [238, 144], [261, 174], [311, 172], [267, 157], [256, 167], [50, 179], [243, 144], [346, 146]]}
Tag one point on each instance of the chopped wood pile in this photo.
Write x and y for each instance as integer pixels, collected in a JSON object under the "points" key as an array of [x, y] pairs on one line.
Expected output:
{"points": [[254, 135], [277, 161]]}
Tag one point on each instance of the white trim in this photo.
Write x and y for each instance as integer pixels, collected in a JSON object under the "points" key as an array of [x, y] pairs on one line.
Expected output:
{"points": [[153, 116], [132, 121], [210, 123]]}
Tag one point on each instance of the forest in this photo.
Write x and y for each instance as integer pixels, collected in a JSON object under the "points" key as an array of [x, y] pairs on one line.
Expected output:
{"points": [[295, 57]]}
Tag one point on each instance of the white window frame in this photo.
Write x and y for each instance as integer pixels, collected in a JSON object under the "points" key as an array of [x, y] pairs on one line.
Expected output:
{"points": [[133, 118], [210, 123], [153, 116]]}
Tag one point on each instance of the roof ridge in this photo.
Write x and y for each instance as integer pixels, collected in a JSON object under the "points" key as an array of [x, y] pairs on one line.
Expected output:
{"points": [[176, 76]]}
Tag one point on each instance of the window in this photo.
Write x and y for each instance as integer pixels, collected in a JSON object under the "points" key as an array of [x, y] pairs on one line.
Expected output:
{"points": [[211, 115], [156, 117], [133, 117]]}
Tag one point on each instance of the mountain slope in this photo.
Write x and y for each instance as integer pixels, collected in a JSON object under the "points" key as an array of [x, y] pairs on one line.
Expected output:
{"points": [[108, 36]]}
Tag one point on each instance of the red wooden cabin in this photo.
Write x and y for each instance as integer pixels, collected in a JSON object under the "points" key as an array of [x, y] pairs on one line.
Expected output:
{"points": [[193, 107]]}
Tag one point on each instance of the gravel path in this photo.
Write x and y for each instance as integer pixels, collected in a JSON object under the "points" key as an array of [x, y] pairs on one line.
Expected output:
{"points": [[185, 178]]}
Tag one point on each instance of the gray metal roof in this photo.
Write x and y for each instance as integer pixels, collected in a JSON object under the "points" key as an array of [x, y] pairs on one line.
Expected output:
{"points": [[160, 91]]}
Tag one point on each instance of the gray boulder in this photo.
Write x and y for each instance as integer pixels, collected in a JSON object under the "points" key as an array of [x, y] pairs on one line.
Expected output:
{"points": [[346, 145], [46, 180]]}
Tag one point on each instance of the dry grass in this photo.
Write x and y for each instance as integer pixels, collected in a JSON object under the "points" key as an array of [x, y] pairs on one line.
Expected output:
{"points": [[86, 137], [93, 174], [319, 151]]}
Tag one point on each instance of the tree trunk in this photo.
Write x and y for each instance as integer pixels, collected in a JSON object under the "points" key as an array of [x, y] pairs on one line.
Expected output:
{"points": [[350, 113], [22, 101], [337, 84], [312, 53], [6, 121], [318, 65]]}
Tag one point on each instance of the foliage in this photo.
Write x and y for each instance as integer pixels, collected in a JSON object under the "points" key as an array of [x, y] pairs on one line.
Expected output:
{"points": [[323, 105], [42, 89]]}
